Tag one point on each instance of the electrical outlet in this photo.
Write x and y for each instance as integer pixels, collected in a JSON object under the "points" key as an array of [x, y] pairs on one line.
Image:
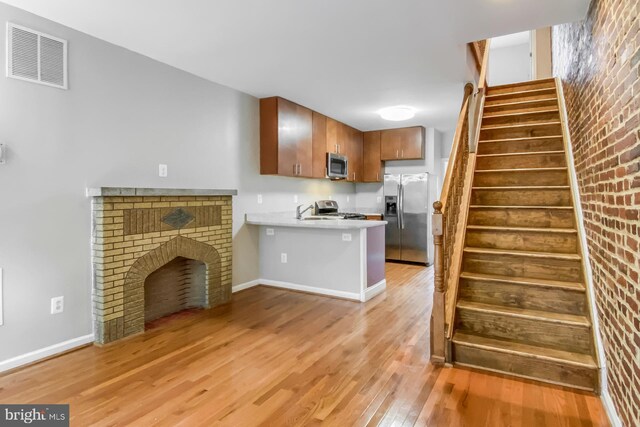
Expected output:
{"points": [[270, 232], [57, 305], [348, 199], [379, 199], [3, 158], [162, 170], [283, 258], [295, 198], [346, 237], [330, 197], [259, 199]]}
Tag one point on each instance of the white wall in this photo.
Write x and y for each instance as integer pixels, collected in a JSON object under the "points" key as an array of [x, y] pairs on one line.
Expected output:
{"points": [[511, 64], [122, 116]]}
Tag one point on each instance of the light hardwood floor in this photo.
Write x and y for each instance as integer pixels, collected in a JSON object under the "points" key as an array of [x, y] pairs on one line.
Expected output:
{"points": [[273, 357]]}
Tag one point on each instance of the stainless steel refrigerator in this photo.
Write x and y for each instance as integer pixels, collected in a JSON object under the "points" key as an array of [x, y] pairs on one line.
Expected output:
{"points": [[406, 198]]}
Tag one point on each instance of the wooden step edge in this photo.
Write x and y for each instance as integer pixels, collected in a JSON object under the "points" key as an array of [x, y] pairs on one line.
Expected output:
{"points": [[522, 229], [523, 170], [526, 350], [528, 254], [522, 92], [525, 187], [525, 377], [527, 83], [523, 153], [521, 125], [522, 313], [525, 281], [516, 104], [523, 113], [520, 207], [522, 139]]}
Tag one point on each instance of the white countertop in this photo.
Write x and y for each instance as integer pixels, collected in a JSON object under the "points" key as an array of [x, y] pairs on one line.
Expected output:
{"points": [[289, 220]]}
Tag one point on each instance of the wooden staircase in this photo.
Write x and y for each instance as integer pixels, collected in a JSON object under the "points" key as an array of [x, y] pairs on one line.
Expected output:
{"points": [[522, 306]]}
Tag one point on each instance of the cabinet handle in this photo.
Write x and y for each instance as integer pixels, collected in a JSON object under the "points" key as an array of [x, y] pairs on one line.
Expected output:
{"points": [[295, 168], [397, 154], [299, 168], [377, 176], [402, 154], [335, 147]]}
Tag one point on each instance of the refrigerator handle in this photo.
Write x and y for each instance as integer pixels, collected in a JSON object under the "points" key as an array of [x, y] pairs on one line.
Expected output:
{"points": [[402, 204]]}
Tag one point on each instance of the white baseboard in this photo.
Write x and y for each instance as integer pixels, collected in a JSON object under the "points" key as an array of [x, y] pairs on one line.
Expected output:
{"points": [[304, 288], [374, 290], [610, 409], [245, 285], [43, 353]]}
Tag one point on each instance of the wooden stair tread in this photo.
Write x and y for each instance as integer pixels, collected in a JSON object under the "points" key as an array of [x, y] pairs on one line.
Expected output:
{"points": [[533, 351], [521, 113], [523, 102], [523, 313], [520, 207], [527, 138], [521, 93], [531, 254], [546, 283], [519, 125], [522, 169], [526, 187], [526, 83], [531, 229], [523, 153]]}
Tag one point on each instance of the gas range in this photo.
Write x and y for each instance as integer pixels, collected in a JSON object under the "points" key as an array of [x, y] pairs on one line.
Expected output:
{"points": [[329, 208]]}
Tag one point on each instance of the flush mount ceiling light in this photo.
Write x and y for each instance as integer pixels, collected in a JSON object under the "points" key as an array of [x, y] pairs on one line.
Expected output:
{"points": [[397, 113]]}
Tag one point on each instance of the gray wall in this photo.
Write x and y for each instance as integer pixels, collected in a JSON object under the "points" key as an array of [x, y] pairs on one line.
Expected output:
{"points": [[122, 116], [510, 64]]}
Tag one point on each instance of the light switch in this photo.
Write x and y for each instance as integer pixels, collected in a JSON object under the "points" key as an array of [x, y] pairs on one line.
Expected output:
{"points": [[162, 170], [295, 198], [259, 199], [379, 199], [283, 258]]}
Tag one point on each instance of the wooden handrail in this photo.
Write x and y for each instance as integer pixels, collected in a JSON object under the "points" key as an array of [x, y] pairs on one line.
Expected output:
{"points": [[449, 219]]}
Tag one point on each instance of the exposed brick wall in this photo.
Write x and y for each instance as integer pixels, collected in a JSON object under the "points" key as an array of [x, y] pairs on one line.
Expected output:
{"points": [[598, 61]]}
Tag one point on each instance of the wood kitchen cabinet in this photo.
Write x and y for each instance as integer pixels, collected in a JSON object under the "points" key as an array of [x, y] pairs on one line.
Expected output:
{"points": [[319, 144], [402, 144], [336, 137], [372, 166], [286, 138], [354, 143]]}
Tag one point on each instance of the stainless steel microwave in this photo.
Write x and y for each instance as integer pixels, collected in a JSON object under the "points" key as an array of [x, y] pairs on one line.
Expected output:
{"points": [[337, 166]]}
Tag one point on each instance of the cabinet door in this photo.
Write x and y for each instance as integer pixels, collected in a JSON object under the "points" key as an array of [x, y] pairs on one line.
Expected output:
{"points": [[304, 144], [353, 151], [332, 135], [389, 145], [412, 142], [372, 165], [288, 137], [319, 142]]}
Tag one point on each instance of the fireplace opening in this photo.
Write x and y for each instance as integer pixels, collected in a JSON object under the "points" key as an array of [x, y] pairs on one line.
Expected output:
{"points": [[177, 286]]}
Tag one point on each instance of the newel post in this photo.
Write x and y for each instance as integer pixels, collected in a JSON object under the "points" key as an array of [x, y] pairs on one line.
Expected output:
{"points": [[438, 341]]}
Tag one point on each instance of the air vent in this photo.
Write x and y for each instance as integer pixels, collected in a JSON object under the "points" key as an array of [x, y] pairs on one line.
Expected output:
{"points": [[36, 57]]}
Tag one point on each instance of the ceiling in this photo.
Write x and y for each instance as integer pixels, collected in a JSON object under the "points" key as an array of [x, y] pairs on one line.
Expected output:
{"points": [[343, 58]]}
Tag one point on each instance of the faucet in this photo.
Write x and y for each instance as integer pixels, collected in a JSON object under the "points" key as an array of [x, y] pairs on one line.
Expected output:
{"points": [[299, 213]]}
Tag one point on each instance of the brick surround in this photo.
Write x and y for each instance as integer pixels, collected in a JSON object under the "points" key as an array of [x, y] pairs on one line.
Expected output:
{"points": [[598, 61], [135, 236]]}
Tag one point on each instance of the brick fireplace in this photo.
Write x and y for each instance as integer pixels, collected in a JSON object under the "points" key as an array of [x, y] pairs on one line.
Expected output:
{"points": [[176, 241]]}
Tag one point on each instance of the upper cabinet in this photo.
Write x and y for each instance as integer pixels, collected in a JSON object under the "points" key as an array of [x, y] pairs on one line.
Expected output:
{"points": [[372, 169], [402, 144], [286, 138], [294, 141]]}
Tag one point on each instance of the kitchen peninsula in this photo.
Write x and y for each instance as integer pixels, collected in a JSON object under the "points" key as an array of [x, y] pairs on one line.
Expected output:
{"points": [[335, 257]]}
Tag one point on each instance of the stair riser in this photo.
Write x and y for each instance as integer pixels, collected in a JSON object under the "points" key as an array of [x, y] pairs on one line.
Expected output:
{"points": [[540, 218], [527, 331], [520, 197], [546, 84], [521, 161], [523, 266], [542, 370], [515, 97], [542, 104], [524, 146], [520, 178], [565, 243], [528, 118], [521, 132], [523, 296]]}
